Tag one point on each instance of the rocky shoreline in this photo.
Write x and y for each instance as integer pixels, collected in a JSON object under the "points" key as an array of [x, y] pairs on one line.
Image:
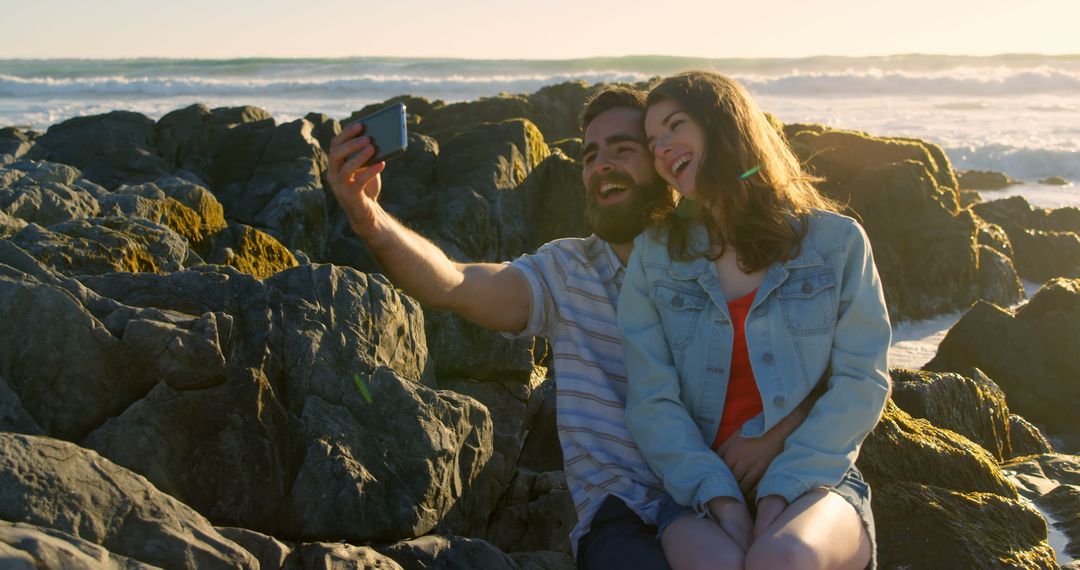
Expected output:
{"points": [[192, 334]]}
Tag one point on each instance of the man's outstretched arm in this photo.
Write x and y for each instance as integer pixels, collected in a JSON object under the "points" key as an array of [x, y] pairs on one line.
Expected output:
{"points": [[491, 295]]}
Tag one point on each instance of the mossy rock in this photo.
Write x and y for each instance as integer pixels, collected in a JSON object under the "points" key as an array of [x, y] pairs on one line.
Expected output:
{"points": [[925, 526], [837, 155], [250, 251], [93, 246], [904, 449], [970, 404], [446, 122]]}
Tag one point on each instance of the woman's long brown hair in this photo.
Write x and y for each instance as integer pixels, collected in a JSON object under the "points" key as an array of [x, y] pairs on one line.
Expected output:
{"points": [[753, 215]]}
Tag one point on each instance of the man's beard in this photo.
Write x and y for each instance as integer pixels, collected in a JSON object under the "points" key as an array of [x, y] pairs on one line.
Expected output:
{"points": [[622, 222]]}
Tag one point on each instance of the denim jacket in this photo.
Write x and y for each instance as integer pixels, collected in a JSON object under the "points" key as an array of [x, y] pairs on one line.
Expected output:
{"points": [[818, 316]]}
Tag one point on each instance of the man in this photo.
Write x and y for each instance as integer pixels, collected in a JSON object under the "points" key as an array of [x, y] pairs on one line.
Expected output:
{"points": [[567, 292]]}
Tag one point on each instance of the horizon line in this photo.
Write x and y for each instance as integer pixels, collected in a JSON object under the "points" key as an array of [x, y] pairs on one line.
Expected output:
{"points": [[569, 59]]}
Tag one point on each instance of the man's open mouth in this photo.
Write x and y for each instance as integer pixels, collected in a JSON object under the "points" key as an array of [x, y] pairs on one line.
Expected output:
{"points": [[609, 188]]}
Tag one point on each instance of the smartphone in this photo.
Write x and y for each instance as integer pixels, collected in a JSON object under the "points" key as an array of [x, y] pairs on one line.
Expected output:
{"points": [[386, 127]]}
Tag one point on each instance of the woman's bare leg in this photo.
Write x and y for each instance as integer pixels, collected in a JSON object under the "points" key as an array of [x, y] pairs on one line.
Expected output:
{"points": [[819, 530], [695, 543]]}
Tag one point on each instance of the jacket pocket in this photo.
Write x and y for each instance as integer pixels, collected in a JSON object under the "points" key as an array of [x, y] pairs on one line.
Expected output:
{"points": [[808, 300], [679, 310]]}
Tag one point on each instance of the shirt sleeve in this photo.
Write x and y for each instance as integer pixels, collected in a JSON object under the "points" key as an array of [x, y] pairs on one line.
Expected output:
{"points": [[659, 422], [826, 445], [537, 268]]}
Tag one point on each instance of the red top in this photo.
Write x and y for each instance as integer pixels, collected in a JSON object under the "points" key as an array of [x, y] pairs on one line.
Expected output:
{"points": [[743, 399]]}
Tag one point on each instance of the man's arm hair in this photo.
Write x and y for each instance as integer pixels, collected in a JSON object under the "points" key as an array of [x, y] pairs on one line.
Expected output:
{"points": [[492, 295]]}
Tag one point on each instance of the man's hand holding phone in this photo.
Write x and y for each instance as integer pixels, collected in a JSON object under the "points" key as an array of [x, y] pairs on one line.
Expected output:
{"points": [[356, 184]]}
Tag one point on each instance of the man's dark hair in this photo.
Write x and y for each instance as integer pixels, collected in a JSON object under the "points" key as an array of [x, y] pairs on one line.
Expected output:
{"points": [[608, 98]]}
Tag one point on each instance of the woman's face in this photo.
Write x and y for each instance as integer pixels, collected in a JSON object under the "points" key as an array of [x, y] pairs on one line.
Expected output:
{"points": [[677, 143]]}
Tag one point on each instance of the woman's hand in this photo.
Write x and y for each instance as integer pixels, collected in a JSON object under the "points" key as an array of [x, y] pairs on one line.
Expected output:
{"points": [[355, 185], [734, 518], [769, 508]]}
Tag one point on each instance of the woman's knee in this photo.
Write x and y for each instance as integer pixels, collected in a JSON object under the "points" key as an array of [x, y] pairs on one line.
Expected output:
{"points": [[787, 551], [693, 543]]}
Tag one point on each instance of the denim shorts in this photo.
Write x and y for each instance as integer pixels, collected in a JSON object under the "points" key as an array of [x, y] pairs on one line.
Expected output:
{"points": [[853, 488]]}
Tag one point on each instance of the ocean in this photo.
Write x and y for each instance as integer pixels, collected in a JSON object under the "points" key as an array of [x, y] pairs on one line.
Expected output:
{"points": [[1019, 114]]}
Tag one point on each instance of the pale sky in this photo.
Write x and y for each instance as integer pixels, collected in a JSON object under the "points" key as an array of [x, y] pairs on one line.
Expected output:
{"points": [[555, 29]]}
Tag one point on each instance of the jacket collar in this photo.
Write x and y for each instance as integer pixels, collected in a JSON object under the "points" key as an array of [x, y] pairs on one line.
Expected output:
{"points": [[809, 256]]}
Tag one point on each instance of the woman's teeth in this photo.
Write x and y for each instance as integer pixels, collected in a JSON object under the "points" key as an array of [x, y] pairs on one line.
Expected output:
{"points": [[680, 164], [607, 189]]}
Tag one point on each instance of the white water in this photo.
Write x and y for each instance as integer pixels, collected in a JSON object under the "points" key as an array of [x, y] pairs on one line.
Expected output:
{"points": [[1016, 113]]}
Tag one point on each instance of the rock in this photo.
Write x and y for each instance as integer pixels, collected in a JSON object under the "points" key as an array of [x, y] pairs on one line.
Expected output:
{"points": [[556, 108], [998, 281], [288, 440], [1042, 255], [446, 122], [924, 271], [839, 155], [969, 198], [10, 225], [15, 142], [461, 348], [1063, 505], [269, 551], [284, 194], [359, 481], [112, 354], [543, 560], [415, 107], [163, 211], [194, 199], [538, 514], [89, 246], [29, 546], [512, 407], [221, 146], [560, 201], [110, 149], [324, 129], [1026, 438], [939, 496], [45, 193], [985, 180], [57, 485], [326, 556], [902, 448], [13, 416], [570, 147], [971, 405], [1030, 352], [1052, 482], [1054, 181], [248, 250], [923, 526], [447, 553], [904, 193], [995, 237], [234, 434], [1046, 241], [1016, 211]]}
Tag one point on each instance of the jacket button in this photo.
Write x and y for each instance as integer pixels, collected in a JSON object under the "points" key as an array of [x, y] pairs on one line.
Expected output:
{"points": [[779, 402], [767, 357], [677, 301], [806, 287]]}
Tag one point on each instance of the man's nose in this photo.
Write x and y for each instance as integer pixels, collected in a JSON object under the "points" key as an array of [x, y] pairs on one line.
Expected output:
{"points": [[603, 162]]}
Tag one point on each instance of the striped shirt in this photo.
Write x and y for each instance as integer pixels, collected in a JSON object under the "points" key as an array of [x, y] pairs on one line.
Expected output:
{"points": [[574, 284]]}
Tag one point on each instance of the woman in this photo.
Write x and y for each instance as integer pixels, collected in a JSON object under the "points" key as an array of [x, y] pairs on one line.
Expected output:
{"points": [[733, 310]]}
